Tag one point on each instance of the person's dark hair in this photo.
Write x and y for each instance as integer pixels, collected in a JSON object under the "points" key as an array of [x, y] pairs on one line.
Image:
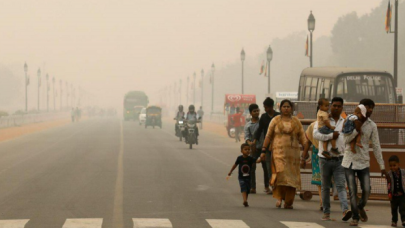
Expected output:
{"points": [[243, 145], [367, 102], [268, 102], [337, 99], [253, 107], [237, 109], [321, 100], [394, 158], [288, 101]]}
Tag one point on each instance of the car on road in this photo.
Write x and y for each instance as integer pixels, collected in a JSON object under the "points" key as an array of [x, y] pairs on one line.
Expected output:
{"points": [[142, 116]]}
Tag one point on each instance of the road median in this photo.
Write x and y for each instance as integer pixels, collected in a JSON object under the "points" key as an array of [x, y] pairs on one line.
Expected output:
{"points": [[14, 132]]}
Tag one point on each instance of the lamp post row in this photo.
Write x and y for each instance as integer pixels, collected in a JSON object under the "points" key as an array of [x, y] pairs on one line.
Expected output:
{"points": [[27, 82]]}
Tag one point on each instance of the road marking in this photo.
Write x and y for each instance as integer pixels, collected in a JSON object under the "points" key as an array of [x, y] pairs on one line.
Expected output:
{"points": [[301, 224], [374, 226], [118, 216], [223, 223], [83, 223], [20, 223], [151, 223]]}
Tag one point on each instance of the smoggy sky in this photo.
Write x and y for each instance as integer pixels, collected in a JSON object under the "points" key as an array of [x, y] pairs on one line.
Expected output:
{"points": [[110, 47]]}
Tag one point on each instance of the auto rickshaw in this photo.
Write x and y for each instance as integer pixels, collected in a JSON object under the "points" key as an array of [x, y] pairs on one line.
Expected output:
{"points": [[153, 116]]}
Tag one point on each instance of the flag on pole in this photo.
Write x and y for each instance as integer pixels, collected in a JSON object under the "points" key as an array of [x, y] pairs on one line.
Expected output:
{"points": [[265, 70], [306, 47], [262, 68], [388, 18]]}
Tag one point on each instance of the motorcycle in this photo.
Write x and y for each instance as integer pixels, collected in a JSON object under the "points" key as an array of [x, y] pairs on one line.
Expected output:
{"points": [[191, 133], [179, 129]]}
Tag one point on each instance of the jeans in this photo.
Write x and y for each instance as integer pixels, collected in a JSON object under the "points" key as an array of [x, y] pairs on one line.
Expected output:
{"points": [[364, 179], [268, 163], [255, 155], [238, 130], [398, 202], [329, 169]]}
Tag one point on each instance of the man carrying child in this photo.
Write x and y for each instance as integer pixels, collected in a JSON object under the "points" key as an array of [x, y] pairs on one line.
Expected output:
{"points": [[358, 164]]}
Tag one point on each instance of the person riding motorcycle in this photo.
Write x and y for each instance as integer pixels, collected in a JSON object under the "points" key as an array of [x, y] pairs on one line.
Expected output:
{"points": [[179, 116], [191, 116]]}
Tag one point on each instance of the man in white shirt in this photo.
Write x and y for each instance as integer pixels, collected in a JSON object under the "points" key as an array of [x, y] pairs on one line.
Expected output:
{"points": [[333, 167], [358, 164]]}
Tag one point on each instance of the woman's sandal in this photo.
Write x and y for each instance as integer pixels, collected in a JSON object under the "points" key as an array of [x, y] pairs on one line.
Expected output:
{"points": [[288, 207], [278, 204]]}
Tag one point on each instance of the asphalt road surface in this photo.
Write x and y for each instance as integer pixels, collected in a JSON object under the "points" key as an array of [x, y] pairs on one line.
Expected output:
{"points": [[104, 172]]}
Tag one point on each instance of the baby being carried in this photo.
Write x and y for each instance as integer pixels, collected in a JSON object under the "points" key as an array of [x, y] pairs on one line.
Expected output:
{"points": [[324, 127], [355, 121]]}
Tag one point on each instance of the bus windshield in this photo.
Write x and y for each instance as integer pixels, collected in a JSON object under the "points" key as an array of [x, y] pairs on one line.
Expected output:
{"points": [[353, 88]]}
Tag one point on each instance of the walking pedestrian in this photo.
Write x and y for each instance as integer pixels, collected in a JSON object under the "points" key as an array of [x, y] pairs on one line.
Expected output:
{"points": [[285, 133], [250, 129], [245, 163], [200, 113], [332, 167], [359, 163], [237, 123], [396, 187], [261, 132], [316, 173]]}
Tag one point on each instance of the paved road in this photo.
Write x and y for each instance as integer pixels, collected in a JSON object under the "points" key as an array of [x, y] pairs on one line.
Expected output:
{"points": [[109, 173]]}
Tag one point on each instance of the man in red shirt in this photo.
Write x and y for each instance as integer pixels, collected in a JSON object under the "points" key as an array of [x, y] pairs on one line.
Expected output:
{"points": [[237, 123]]}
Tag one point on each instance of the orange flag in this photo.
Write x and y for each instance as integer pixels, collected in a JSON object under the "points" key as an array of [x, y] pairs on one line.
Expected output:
{"points": [[388, 18], [306, 47]]}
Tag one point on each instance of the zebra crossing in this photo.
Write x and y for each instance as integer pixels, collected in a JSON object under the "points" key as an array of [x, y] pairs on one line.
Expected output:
{"points": [[165, 223]]}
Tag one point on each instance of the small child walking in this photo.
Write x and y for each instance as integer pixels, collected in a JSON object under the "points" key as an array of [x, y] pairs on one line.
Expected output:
{"points": [[355, 121], [396, 187], [245, 163], [325, 127]]}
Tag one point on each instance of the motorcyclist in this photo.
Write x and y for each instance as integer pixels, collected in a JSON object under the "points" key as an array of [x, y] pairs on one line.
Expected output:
{"points": [[179, 116], [191, 116]]}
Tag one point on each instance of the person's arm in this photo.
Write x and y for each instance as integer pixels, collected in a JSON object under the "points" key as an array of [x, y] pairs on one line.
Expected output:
{"points": [[327, 123], [305, 154], [377, 149], [321, 137], [260, 129], [232, 169], [347, 138], [248, 137]]}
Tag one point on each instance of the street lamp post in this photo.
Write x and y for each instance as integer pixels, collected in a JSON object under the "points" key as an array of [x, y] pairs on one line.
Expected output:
{"points": [[202, 87], [60, 95], [47, 92], [311, 28], [269, 58], [180, 90], [188, 81], [53, 85], [242, 58], [194, 75], [26, 86], [212, 88], [39, 84]]}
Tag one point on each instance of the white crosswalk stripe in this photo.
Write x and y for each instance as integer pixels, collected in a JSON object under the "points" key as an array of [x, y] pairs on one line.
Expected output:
{"points": [[83, 223], [151, 223], [223, 223], [301, 224], [13, 223], [375, 226]]}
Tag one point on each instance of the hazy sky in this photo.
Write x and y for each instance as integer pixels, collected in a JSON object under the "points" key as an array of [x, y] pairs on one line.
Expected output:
{"points": [[131, 44]]}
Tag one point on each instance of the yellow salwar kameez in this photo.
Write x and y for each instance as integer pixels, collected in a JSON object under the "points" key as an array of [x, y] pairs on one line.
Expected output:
{"points": [[285, 137]]}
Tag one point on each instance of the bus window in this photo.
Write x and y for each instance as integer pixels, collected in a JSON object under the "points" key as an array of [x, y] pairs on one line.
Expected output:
{"points": [[314, 93], [307, 94], [353, 88]]}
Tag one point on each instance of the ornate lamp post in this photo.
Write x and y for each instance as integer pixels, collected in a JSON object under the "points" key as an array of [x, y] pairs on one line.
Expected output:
{"points": [[311, 28], [194, 75], [27, 82], [242, 58], [39, 83], [269, 58], [212, 88]]}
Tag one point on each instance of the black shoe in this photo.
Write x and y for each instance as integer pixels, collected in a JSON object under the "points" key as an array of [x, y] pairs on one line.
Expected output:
{"points": [[347, 215], [326, 154]]}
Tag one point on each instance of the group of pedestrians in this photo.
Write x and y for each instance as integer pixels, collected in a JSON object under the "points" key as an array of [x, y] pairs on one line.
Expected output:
{"points": [[277, 138]]}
